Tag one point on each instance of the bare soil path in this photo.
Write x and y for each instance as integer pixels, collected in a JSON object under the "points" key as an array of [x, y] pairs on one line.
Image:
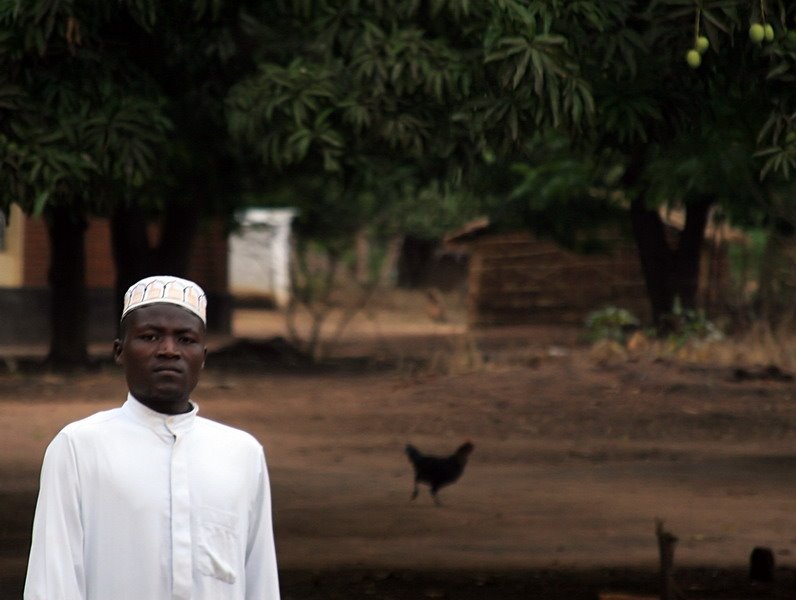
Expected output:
{"points": [[574, 460]]}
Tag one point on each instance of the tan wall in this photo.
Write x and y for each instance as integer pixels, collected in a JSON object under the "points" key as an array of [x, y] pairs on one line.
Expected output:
{"points": [[11, 255]]}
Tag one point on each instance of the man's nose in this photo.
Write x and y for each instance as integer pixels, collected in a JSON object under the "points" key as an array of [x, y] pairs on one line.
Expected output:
{"points": [[168, 346]]}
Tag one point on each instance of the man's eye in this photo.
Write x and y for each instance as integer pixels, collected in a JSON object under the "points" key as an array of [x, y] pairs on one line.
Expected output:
{"points": [[148, 337], [187, 340]]}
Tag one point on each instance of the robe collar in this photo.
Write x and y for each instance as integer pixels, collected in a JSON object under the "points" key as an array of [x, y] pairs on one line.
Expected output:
{"points": [[163, 425]]}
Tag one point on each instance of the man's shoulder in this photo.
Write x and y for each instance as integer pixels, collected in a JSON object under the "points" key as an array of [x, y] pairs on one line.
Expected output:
{"points": [[87, 429], [96, 421], [228, 432]]}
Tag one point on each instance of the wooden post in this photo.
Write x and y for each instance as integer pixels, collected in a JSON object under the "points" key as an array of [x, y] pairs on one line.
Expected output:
{"points": [[666, 544]]}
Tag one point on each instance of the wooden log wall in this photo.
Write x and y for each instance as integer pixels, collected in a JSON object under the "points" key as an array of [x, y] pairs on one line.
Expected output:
{"points": [[518, 279]]}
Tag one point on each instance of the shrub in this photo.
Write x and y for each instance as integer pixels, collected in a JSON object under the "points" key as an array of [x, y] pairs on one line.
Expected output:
{"points": [[612, 323], [686, 325]]}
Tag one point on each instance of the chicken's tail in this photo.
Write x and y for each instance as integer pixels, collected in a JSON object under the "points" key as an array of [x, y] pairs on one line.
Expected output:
{"points": [[413, 453]]}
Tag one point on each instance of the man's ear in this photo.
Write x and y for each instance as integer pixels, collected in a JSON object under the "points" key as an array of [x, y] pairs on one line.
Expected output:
{"points": [[117, 351], [204, 358]]}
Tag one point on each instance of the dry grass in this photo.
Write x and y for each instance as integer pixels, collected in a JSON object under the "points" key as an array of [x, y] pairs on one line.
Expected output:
{"points": [[449, 348], [758, 347]]}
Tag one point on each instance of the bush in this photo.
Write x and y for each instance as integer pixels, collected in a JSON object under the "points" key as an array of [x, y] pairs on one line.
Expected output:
{"points": [[612, 323], [686, 325]]}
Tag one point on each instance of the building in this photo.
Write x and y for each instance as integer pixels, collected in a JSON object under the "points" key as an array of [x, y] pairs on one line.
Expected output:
{"points": [[259, 257], [25, 263], [518, 278]]}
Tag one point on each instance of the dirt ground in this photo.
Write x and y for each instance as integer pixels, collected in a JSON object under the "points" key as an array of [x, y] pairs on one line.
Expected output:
{"points": [[576, 455]]}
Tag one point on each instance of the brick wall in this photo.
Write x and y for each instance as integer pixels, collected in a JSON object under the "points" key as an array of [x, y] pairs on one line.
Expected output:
{"points": [[208, 259], [209, 268], [100, 271], [35, 254], [24, 311]]}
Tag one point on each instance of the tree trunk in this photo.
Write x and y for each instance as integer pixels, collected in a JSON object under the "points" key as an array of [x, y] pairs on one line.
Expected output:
{"points": [[67, 276], [177, 235], [362, 244], [669, 273], [688, 256], [655, 256], [131, 252]]}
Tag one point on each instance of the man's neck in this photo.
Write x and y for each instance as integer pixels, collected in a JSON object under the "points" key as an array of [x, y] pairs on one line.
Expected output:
{"points": [[168, 407]]}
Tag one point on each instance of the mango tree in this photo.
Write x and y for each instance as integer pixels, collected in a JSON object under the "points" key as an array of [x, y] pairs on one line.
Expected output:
{"points": [[115, 109], [694, 109], [77, 133]]}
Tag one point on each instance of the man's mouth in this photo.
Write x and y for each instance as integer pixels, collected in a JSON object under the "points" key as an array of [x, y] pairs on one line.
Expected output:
{"points": [[168, 370]]}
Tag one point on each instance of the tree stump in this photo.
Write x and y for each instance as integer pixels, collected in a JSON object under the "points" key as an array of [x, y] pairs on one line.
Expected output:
{"points": [[761, 565]]}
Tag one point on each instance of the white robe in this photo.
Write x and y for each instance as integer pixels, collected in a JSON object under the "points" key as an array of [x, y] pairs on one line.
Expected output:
{"points": [[137, 505]]}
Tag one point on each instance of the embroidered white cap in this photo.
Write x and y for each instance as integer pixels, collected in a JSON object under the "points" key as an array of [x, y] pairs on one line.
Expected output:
{"points": [[165, 288]]}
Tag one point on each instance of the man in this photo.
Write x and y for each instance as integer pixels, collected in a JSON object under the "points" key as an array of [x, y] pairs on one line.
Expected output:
{"points": [[149, 501]]}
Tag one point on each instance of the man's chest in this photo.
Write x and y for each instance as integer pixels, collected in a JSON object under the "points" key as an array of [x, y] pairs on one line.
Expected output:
{"points": [[148, 475]]}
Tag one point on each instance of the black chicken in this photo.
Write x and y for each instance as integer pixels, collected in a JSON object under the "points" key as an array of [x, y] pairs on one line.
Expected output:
{"points": [[437, 471]]}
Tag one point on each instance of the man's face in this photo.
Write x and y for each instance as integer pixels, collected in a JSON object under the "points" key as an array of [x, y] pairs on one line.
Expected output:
{"points": [[162, 350]]}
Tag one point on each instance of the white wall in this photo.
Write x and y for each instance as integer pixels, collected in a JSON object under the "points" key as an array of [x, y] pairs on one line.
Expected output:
{"points": [[259, 255]]}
